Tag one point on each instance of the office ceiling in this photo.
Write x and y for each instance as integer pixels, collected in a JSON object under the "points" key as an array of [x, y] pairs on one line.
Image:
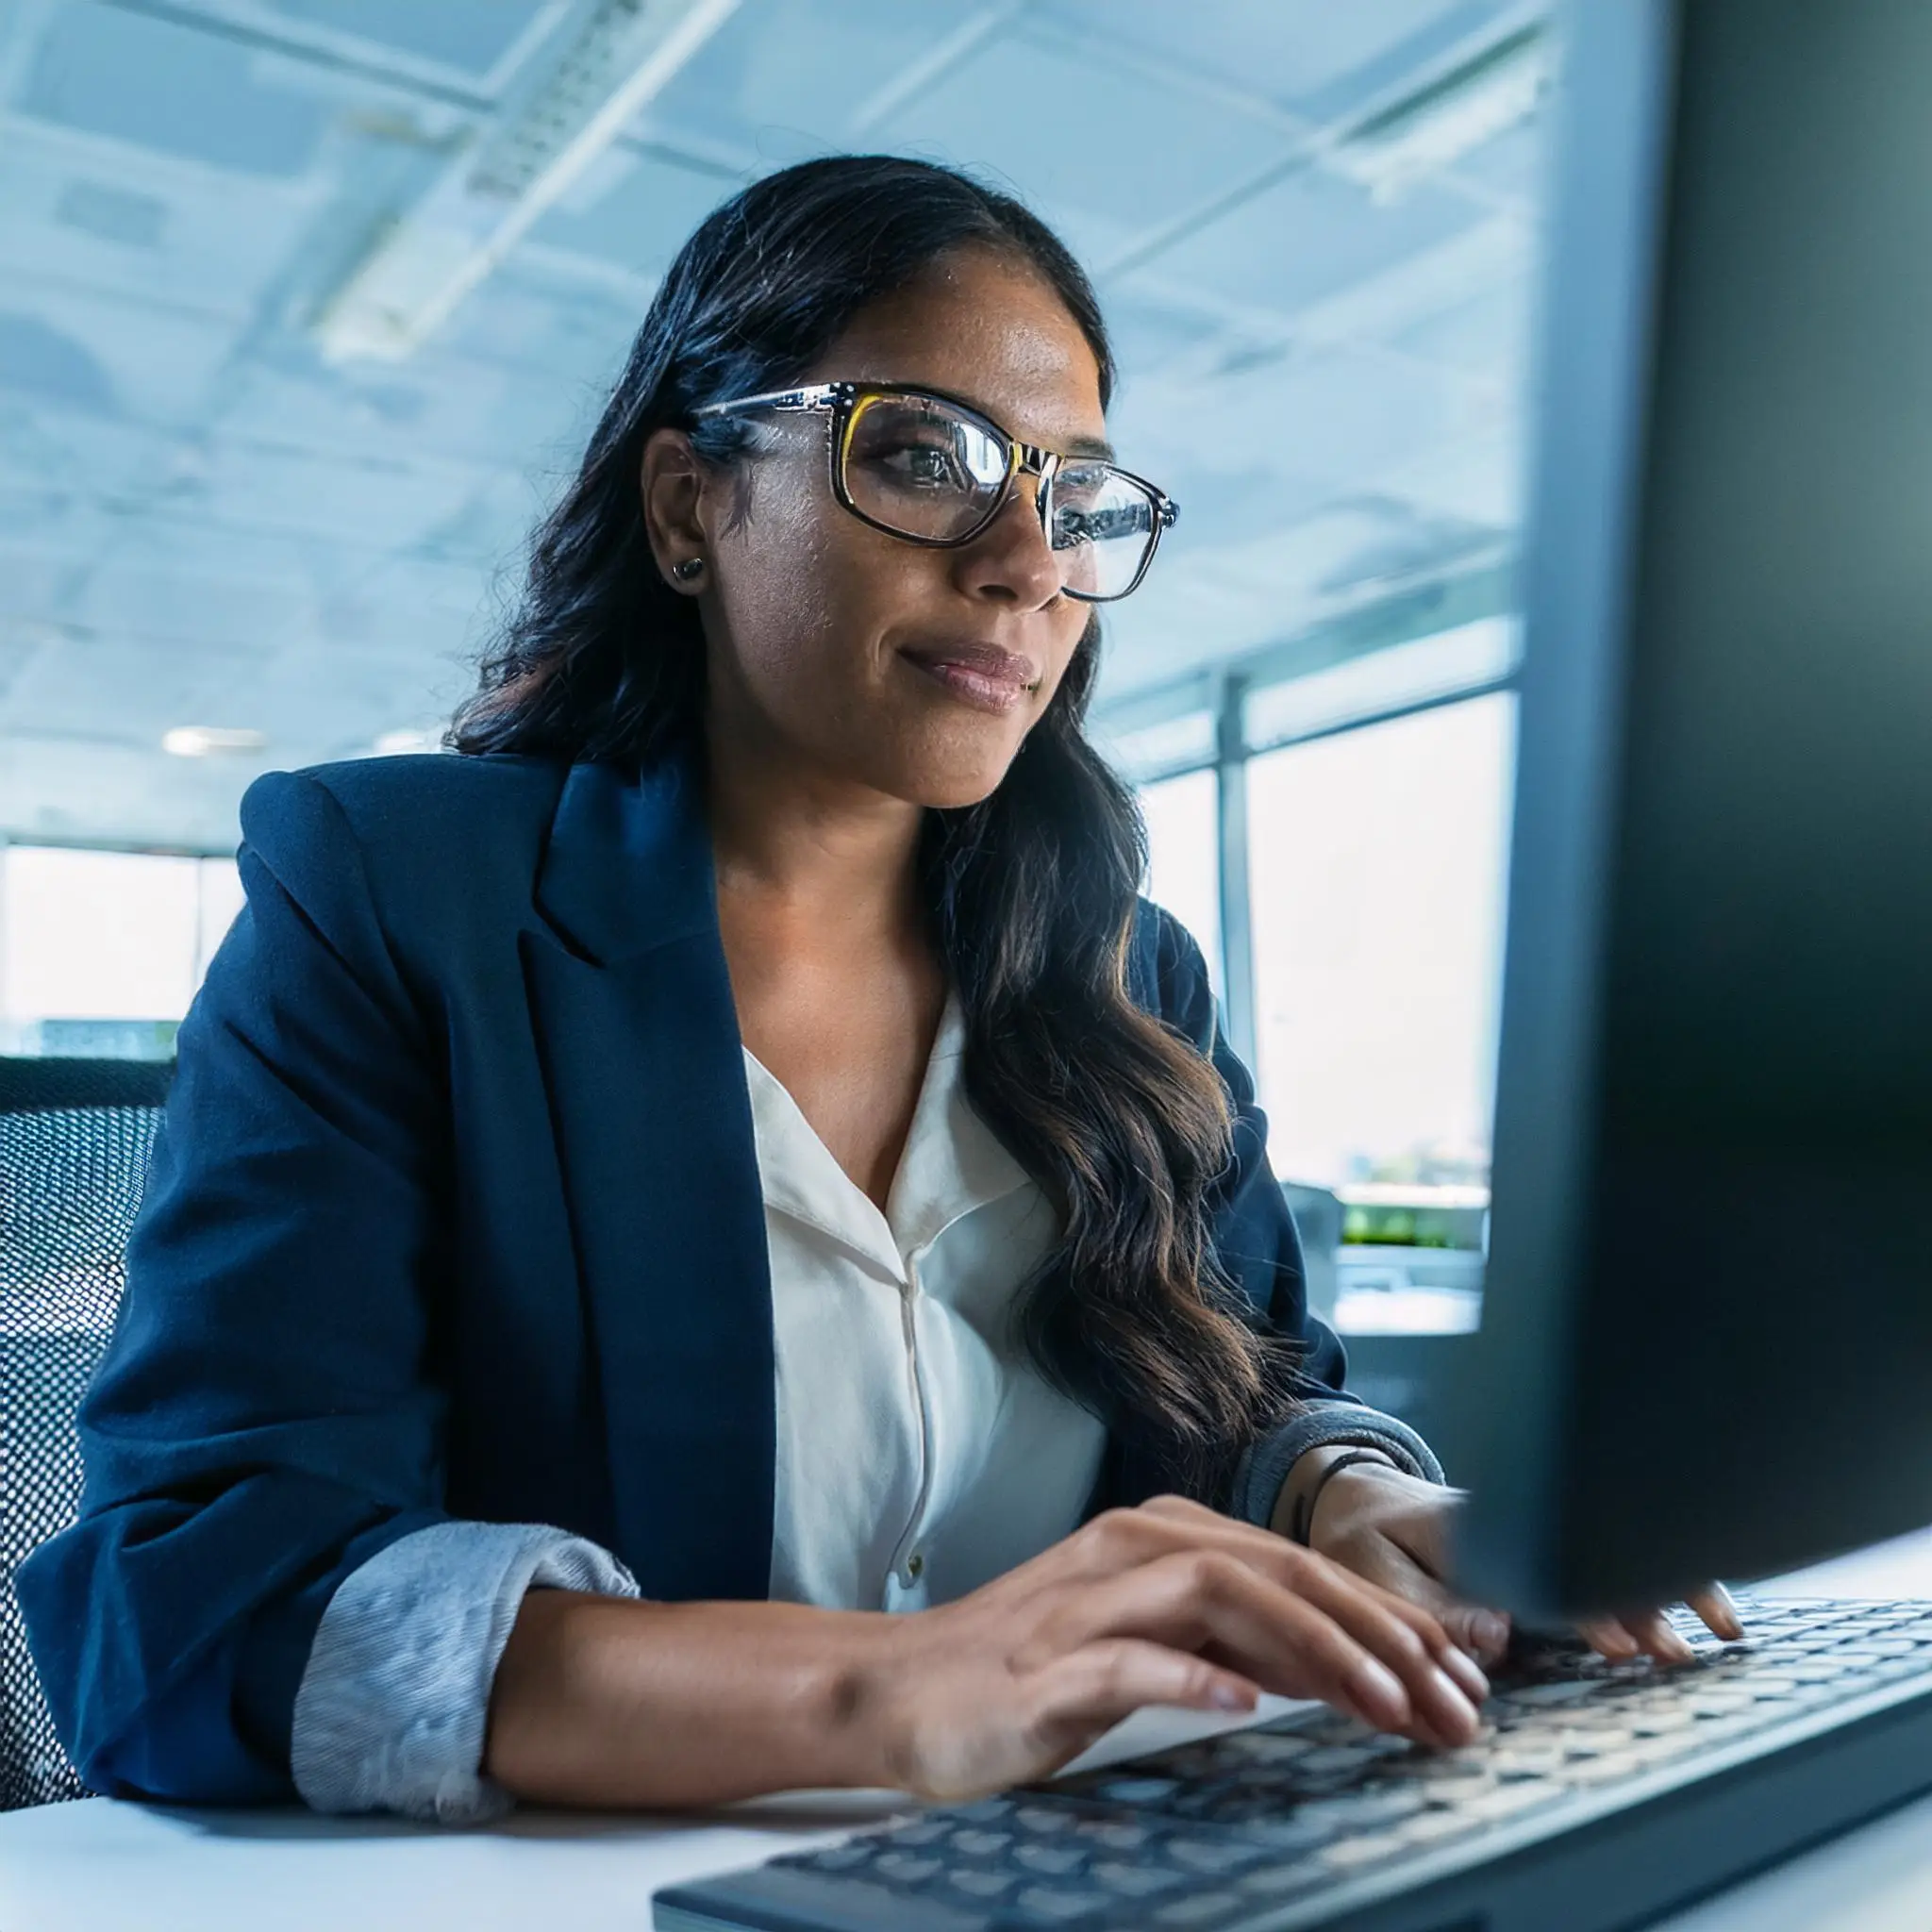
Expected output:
{"points": [[204, 522]]}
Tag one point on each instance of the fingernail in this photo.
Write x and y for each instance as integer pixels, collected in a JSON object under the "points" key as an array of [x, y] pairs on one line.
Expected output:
{"points": [[1449, 1693], [1378, 1693], [1468, 1674], [1230, 1697], [1615, 1644], [1734, 1624], [1490, 1633]]}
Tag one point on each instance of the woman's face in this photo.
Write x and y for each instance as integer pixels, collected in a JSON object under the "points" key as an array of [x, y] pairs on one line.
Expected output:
{"points": [[864, 657]]}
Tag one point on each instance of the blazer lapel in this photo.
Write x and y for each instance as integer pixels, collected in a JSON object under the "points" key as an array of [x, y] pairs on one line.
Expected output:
{"points": [[645, 1068]]}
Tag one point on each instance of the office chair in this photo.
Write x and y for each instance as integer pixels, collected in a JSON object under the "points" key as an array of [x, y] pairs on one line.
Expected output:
{"points": [[74, 1138]]}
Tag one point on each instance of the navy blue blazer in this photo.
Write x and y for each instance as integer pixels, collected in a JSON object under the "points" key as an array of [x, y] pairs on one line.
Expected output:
{"points": [[456, 1211]]}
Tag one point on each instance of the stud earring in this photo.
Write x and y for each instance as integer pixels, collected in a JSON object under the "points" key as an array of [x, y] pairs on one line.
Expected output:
{"points": [[690, 571]]}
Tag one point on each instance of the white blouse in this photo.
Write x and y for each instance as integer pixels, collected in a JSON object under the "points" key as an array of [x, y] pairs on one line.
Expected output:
{"points": [[920, 1453]]}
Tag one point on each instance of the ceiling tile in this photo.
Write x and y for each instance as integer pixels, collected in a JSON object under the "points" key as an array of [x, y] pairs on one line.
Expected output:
{"points": [[470, 37], [1313, 56], [119, 688], [217, 244], [1307, 237], [782, 78], [160, 85], [642, 217], [1072, 135]]}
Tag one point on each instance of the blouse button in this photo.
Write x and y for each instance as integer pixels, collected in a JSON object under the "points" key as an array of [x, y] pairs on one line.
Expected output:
{"points": [[915, 1566]]}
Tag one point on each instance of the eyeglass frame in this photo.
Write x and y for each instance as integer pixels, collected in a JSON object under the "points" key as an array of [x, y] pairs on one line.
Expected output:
{"points": [[841, 399]]}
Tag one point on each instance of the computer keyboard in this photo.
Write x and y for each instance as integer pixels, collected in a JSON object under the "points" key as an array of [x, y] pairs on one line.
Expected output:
{"points": [[1314, 1820]]}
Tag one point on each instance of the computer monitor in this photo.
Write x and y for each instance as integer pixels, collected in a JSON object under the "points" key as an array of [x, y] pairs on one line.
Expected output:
{"points": [[1707, 1339]]}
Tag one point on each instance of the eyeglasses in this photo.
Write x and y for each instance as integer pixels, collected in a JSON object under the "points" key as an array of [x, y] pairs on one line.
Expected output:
{"points": [[931, 468]]}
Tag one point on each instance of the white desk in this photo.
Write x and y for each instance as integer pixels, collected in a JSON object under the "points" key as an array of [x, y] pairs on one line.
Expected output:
{"points": [[95, 1866]]}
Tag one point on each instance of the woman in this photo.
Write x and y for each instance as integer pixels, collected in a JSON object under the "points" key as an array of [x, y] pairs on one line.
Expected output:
{"points": [[729, 1157]]}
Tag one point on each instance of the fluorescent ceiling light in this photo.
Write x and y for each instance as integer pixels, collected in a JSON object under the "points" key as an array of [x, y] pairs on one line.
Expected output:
{"points": [[620, 52], [1452, 117], [206, 741]]}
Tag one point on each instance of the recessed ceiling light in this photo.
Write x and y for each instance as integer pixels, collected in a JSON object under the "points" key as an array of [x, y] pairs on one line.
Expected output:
{"points": [[206, 741], [394, 743]]}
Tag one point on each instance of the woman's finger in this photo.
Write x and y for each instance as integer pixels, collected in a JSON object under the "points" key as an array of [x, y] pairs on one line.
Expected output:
{"points": [[1639, 1633], [1719, 1613], [1078, 1696], [1608, 1638], [1209, 1601], [1385, 1619], [1653, 1633], [1478, 1633], [1172, 1523]]}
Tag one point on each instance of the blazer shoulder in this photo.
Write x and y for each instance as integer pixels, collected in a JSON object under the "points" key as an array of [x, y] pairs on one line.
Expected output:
{"points": [[421, 827]]}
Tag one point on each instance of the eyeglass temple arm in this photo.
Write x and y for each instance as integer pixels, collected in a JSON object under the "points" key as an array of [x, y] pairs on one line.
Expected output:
{"points": [[817, 396]]}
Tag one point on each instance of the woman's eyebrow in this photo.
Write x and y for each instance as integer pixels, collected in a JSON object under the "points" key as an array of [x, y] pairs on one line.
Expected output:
{"points": [[1089, 446]]}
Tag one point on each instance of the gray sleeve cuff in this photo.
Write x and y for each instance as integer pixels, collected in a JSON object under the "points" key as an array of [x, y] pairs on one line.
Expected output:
{"points": [[1264, 1468], [391, 1710]]}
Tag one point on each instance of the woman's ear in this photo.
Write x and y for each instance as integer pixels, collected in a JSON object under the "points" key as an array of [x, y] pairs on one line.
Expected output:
{"points": [[672, 485]]}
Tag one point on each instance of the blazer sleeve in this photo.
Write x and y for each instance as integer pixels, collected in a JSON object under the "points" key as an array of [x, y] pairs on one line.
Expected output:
{"points": [[266, 1417], [1256, 1239]]}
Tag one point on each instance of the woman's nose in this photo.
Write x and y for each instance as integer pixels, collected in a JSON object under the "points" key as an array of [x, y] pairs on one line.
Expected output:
{"points": [[1010, 560]]}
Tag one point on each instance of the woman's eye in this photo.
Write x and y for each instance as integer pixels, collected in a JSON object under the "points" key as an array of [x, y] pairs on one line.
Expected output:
{"points": [[924, 463]]}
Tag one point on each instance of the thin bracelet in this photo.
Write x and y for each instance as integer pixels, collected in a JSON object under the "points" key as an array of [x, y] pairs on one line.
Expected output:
{"points": [[1301, 1524]]}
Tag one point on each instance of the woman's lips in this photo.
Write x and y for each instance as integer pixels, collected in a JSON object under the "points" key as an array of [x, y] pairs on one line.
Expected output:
{"points": [[982, 676]]}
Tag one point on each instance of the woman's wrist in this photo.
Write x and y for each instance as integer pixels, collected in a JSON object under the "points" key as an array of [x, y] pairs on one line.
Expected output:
{"points": [[1293, 1510]]}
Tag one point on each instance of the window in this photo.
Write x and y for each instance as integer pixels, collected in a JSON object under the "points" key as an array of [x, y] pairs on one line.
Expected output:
{"points": [[1378, 865], [90, 940], [1183, 868]]}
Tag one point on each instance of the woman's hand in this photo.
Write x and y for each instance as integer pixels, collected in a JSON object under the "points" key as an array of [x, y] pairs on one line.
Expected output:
{"points": [[1392, 1529], [1167, 1604]]}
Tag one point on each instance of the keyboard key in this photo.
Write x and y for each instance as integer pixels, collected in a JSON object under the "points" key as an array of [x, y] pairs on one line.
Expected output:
{"points": [[1135, 1881], [1046, 1907], [1338, 1758], [1352, 1853], [837, 1858], [1267, 1748], [1533, 1695], [906, 1868], [1213, 1856], [981, 1844], [1052, 1861], [1117, 1838], [926, 1832], [1045, 1819], [1139, 1791], [1507, 1801], [1364, 1811], [1286, 1837], [981, 1885], [982, 1810]]}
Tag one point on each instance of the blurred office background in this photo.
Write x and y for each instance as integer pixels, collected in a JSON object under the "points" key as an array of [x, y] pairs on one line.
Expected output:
{"points": [[306, 306]]}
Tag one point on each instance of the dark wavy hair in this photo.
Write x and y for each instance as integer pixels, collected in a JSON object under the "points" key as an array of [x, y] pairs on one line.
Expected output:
{"points": [[1031, 892]]}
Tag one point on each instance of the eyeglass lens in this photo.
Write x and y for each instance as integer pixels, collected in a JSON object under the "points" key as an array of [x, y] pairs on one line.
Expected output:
{"points": [[918, 466]]}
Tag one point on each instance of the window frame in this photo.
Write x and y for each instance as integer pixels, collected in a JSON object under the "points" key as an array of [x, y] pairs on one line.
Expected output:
{"points": [[1224, 694]]}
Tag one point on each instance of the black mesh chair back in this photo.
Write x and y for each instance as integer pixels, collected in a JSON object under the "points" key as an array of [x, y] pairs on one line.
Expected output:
{"points": [[74, 1139]]}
